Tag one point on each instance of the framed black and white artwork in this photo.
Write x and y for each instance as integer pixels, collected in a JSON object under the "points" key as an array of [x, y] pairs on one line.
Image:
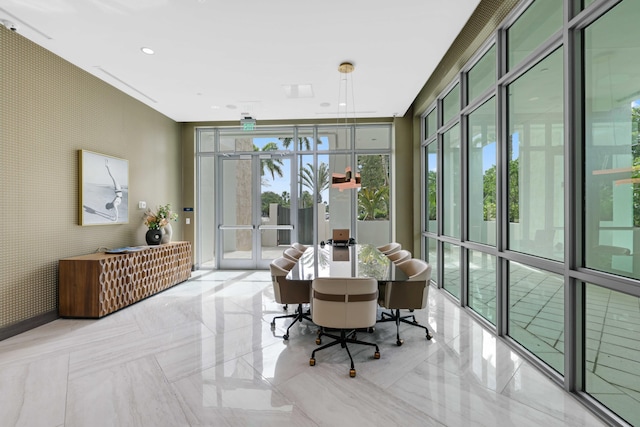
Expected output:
{"points": [[104, 189]]}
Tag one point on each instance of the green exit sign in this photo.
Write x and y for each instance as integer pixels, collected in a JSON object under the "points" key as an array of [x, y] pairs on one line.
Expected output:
{"points": [[248, 126]]}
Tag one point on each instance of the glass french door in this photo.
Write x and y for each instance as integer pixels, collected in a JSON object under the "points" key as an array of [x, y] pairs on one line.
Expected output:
{"points": [[254, 220]]}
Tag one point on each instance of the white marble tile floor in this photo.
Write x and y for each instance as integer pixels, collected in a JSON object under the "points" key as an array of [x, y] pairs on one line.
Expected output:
{"points": [[203, 354]]}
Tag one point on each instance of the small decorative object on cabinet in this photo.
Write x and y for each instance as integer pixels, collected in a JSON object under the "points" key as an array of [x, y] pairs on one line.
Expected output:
{"points": [[167, 231], [158, 223], [153, 237]]}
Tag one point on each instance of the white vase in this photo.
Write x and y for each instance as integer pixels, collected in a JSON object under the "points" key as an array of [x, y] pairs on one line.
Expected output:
{"points": [[167, 231]]}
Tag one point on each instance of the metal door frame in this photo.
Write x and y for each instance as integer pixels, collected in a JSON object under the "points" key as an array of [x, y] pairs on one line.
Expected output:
{"points": [[255, 261]]}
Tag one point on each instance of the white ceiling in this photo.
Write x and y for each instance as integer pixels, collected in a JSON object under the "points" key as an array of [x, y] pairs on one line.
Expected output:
{"points": [[217, 59]]}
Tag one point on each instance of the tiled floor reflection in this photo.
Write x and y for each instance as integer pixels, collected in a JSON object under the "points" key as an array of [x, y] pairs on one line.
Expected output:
{"points": [[613, 350], [536, 317], [203, 354]]}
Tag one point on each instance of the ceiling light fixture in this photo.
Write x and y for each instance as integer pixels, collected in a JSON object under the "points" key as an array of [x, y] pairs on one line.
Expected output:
{"points": [[147, 50], [348, 180]]}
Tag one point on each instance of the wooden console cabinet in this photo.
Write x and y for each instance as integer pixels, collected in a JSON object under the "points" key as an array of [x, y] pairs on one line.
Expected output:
{"points": [[97, 284]]}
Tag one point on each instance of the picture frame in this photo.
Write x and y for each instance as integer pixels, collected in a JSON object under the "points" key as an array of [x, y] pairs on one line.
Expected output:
{"points": [[103, 189]]}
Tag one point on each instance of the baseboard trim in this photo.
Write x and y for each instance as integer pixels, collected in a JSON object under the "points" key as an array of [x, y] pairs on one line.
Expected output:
{"points": [[28, 324]]}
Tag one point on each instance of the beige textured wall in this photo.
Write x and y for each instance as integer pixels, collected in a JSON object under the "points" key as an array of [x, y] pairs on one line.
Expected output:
{"points": [[403, 181], [49, 109]]}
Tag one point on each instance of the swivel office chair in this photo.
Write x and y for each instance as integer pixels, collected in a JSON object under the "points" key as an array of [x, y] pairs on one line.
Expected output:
{"points": [[289, 292], [345, 304], [399, 256], [292, 253], [299, 246], [407, 295], [390, 248]]}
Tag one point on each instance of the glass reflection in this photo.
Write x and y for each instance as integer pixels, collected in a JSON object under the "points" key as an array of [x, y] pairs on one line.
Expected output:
{"points": [[613, 350], [536, 312], [612, 142], [482, 179], [482, 284], [536, 160], [451, 272]]}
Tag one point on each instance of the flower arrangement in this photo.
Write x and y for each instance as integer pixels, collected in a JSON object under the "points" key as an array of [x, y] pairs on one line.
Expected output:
{"points": [[159, 218]]}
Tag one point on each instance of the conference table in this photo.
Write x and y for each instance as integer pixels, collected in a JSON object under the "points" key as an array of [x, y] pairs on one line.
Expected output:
{"points": [[358, 260]]}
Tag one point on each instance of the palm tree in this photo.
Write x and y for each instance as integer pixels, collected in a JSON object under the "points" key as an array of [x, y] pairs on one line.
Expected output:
{"points": [[371, 200], [302, 141], [273, 166], [308, 179]]}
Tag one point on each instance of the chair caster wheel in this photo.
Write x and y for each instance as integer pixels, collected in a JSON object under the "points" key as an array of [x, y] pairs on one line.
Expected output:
{"points": [[429, 336], [285, 307], [285, 337], [318, 341], [352, 373], [376, 355], [371, 329], [399, 342], [273, 326], [312, 362]]}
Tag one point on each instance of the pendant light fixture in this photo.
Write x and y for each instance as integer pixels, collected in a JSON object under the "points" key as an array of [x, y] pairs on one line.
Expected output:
{"points": [[348, 180]]}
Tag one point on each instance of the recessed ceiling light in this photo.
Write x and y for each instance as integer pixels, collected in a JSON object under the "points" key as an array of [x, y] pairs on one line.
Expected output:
{"points": [[231, 106], [325, 104], [147, 50], [215, 107]]}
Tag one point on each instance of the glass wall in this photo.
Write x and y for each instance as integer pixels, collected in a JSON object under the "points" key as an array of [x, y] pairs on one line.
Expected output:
{"points": [[536, 312], [536, 160], [541, 147], [430, 124], [451, 270], [612, 145], [483, 74], [432, 258], [613, 350], [533, 27], [374, 204], [431, 167], [482, 159], [451, 104], [451, 181], [294, 166], [482, 284]]}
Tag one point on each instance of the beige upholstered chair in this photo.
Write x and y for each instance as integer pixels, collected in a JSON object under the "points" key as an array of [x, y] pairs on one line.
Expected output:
{"points": [[390, 248], [407, 295], [299, 246], [289, 292], [284, 264], [399, 256], [345, 304], [292, 253]]}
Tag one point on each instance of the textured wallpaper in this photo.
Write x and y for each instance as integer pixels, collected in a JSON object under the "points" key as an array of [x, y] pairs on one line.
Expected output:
{"points": [[49, 109]]}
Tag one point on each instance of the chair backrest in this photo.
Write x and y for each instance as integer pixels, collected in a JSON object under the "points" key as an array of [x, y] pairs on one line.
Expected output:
{"points": [[400, 256], [299, 246], [292, 253], [283, 264], [415, 269], [344, 303], [390, 248], [412, 293], [288, 291]]}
